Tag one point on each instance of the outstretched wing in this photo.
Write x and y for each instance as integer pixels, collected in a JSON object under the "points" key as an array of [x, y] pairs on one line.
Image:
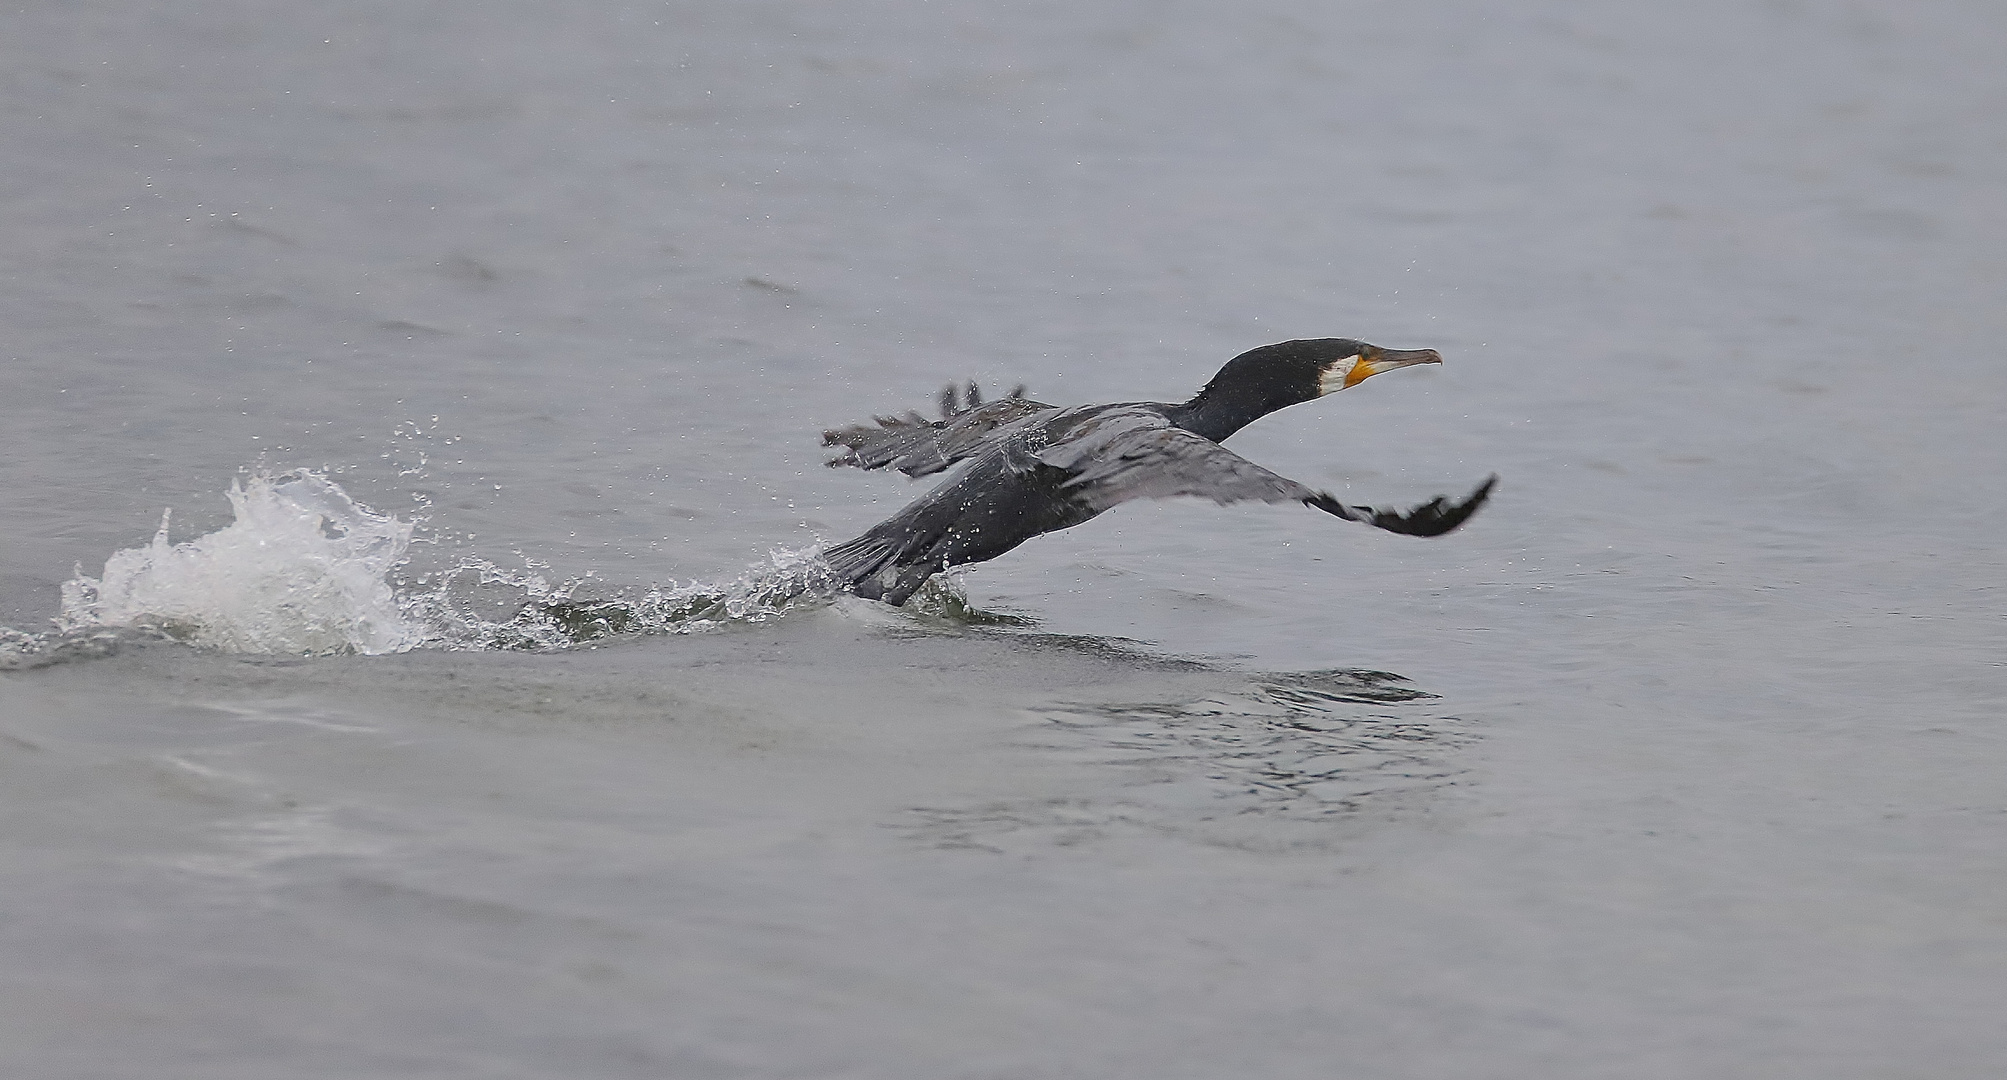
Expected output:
{"points": [[1136, 454], [1123, 454], [1432, 518], [918, 447]]}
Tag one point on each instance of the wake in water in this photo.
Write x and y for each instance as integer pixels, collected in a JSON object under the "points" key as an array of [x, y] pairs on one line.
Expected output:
{"points": [[305, 570], [478, 605]]}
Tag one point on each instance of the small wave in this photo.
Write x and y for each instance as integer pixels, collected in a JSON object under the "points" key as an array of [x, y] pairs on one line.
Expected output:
{"points": [[21, 651], [305, 570]]}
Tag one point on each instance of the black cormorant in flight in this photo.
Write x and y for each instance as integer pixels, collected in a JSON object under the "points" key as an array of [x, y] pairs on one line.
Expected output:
{"points": [[1037, 468]]}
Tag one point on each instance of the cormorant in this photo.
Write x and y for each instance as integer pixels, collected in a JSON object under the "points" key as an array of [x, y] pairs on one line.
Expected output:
{"points": [[1036, 468]]}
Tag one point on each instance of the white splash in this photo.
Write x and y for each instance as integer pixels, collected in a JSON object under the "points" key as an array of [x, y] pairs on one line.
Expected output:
{"points": [[303, 570], [531, 612]]}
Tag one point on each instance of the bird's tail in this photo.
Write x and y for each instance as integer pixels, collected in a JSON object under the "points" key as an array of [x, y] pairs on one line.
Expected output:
{"points": [[854, 560], [869, 567]]}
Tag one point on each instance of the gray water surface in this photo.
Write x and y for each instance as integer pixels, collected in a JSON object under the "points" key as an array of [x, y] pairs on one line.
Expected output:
{"points": [[1683, 759]]}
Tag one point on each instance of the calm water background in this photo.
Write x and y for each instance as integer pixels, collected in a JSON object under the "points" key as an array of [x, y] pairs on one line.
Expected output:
{"points": [[1712, 783]]}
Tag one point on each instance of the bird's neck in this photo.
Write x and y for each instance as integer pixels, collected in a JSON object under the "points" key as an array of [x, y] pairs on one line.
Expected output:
{"points": [[1216, 415]]}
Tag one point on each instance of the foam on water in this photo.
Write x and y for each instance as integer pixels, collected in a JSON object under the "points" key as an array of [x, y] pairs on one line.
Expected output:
{"points": [[305, 570]]}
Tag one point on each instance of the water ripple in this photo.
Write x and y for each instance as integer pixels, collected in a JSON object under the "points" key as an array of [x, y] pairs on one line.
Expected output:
{"points": [[1306, 747]]}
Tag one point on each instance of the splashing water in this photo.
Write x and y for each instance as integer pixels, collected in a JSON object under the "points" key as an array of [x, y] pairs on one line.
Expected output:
{"points": [[532, 613], [305, 570]]}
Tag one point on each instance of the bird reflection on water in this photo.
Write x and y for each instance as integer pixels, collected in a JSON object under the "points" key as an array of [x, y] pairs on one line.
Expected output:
{"points": [[1308, 749]]}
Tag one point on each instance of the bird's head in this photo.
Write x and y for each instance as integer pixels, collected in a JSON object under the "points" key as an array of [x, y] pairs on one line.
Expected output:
{"points": [[1260, 381], [1291, 372], [1346, 363]]}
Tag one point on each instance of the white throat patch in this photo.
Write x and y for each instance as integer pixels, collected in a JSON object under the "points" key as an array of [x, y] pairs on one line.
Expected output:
{"points": [[1337, 375]]}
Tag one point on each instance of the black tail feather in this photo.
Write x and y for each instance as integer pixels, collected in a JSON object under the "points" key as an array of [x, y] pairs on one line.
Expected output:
{"points": [[868, 566], [854, 560]]}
